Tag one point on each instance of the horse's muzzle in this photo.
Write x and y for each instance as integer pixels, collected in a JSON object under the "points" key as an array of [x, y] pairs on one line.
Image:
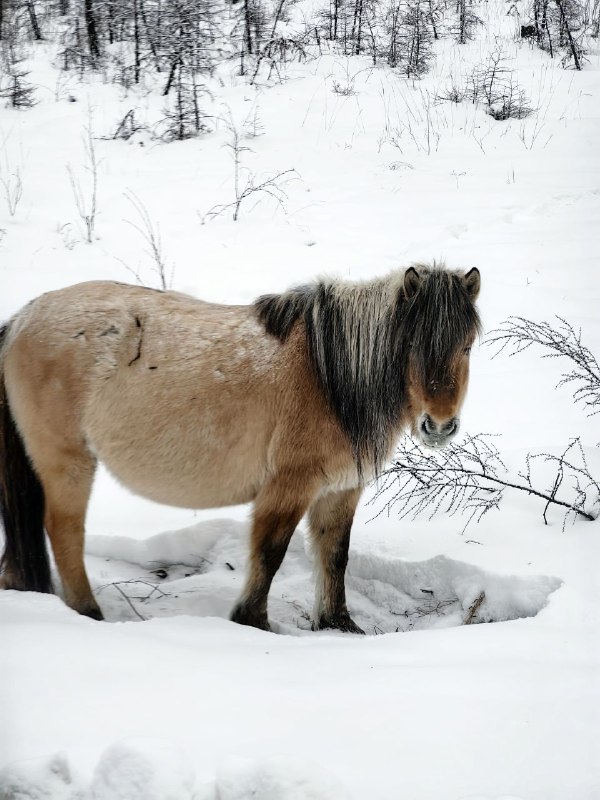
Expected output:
{"points": [[435, 434]]}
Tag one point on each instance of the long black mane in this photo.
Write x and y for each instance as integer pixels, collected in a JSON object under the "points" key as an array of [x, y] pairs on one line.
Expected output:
{"points": [[360, 337]]}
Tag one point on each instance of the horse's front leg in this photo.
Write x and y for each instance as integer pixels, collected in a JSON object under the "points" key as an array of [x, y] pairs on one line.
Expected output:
{"points": [[278, 509], [330, 521]]}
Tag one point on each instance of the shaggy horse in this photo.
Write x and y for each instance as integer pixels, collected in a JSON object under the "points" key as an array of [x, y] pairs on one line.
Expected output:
{"points": [[294, 402]]}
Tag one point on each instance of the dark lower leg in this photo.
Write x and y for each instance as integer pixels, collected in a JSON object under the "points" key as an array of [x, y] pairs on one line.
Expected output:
{"points": [[251, 609], [271, 534], [331, 522]]}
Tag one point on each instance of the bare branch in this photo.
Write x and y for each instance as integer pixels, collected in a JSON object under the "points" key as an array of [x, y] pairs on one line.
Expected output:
{"points": [[518, 334], [471, 616], [464, 478], [151, 235]]}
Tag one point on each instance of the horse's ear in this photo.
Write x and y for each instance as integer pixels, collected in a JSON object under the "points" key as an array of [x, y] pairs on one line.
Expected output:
{"points": [[472, 282], [412, 281]]}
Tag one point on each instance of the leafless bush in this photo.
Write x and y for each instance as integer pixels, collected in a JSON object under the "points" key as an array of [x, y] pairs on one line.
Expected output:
{"points": [[344, 82], [87, 205], [279, 48], [11, 181], [512, 105], [245, 183], [453, 93], [463, 477], [493, 83], [150, 232], [560, 340], [470, 478], [253, 125], [184, 117]]}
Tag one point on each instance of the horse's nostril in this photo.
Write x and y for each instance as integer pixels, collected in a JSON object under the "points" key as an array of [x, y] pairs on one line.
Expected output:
{"points": [[451, 427], [428, 425]]}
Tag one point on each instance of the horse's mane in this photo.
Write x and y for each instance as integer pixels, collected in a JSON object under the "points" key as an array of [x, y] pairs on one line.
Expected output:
{"points": [[359, 336]]}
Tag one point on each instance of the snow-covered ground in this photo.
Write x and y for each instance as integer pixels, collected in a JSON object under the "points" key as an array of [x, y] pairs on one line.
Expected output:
{"points": [[168, 699]]}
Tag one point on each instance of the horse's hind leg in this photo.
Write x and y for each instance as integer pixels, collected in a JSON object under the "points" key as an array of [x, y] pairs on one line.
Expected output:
{"points": [[277, 511], [330, 521], [67, 483]]}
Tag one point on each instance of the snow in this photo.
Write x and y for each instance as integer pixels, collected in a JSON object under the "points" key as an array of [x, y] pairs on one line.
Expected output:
{"points": [[168, 699], [146, 770]]}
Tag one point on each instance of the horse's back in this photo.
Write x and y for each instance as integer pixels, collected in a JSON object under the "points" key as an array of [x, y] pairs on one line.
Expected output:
{"points": [[173, 394]]}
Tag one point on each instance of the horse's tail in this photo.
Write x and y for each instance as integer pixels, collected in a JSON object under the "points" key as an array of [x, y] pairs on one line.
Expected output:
{"points": [[24, 563]]}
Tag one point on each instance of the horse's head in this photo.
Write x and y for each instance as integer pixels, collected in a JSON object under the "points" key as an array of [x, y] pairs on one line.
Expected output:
{"points": [[441, 324]]}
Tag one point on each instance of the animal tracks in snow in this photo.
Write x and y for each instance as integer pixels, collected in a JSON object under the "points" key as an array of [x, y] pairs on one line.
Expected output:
{"points": [[200, 571]]}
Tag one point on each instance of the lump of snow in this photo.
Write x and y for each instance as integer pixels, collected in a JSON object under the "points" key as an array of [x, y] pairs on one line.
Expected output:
{"points": [[143, 769], [275, 779], [506, 597], [40, 779]]}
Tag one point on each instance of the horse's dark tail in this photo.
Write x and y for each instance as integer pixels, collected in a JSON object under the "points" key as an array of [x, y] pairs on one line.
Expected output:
{"points": [[24, 564]]}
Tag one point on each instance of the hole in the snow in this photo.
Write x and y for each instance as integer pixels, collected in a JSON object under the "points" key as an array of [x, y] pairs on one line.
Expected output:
{"points": [[200, 571]]}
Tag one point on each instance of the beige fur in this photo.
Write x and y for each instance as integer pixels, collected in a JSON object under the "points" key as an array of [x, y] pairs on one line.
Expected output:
{"points": [[206, 412], [196, 405]]}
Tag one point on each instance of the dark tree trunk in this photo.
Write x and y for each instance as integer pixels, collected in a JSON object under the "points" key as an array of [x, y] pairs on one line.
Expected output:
{"points": [[333, 29], [37, 34], [110, 17], [150, 34], [569, 34], [172, 72], [247, 25], [92, 32], [136, 36], [432, 20], [357, 26], [462, 38]]}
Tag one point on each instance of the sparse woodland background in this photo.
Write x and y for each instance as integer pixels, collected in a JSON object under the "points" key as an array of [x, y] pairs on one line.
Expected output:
{"points": [[232, 149], [177, 45], [175, 49]]}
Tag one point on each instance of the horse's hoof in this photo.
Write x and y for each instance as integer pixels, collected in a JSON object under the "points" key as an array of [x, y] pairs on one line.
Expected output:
{"points": [[340, 622], [245, 616], [93, 612], [8, 580]]}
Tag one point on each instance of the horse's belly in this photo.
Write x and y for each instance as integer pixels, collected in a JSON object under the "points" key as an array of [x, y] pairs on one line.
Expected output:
{"points": [[197, 490], [198, 452], [184, 476]]}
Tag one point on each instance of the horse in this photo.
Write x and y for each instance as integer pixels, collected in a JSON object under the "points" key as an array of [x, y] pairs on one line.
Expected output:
{"points": [[293, 403]]}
